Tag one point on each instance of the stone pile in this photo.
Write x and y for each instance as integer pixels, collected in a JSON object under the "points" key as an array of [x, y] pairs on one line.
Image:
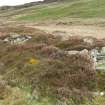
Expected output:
{"points": [[16, 39]]}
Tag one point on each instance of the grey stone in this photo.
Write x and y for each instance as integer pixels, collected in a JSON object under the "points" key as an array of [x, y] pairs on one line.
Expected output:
{"points": [[103, 51], [17, 39]]}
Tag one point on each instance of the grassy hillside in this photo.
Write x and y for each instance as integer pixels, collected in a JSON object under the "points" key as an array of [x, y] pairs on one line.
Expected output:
{"points": [[75, 8]]}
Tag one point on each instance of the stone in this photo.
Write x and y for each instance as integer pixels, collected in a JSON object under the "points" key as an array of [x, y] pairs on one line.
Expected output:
{"points": [[72, 52], [103, 51], [85, 51], [88, 40], [17, 39]]}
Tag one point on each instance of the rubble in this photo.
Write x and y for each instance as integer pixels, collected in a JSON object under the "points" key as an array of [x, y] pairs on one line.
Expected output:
{"points": [[16, 39]]}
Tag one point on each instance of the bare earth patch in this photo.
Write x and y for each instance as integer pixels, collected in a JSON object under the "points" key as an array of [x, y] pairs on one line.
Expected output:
{"points": [[73, 30]]}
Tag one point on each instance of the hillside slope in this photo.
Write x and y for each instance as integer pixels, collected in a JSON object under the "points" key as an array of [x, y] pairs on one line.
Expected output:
{"points": [[74, 9]]}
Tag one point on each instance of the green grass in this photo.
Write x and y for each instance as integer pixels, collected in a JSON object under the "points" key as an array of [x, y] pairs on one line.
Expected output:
{"points": [[74, 9], [22, 96], [100, 65]]}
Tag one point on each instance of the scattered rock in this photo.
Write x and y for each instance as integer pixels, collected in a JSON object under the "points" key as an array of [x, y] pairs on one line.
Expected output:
{"points": [[17, 39]]}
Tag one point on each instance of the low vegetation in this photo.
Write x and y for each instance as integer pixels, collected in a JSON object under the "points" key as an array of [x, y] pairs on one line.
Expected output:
{"points": [[40, 71], [43, 70]]}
